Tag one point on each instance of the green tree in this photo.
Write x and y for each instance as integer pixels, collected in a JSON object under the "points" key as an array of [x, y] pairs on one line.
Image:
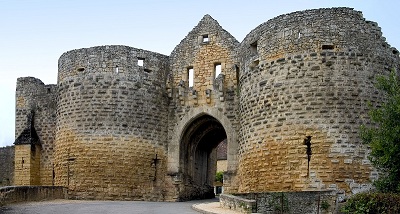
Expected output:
{"points": [[219, 177], [383, 136]]}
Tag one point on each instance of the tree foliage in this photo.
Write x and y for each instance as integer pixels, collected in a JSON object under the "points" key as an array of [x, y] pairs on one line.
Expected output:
{"points": [[219, 177], [364, 203], [383, 136]]}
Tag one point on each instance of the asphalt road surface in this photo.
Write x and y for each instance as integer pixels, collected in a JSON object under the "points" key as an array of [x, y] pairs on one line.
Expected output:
{"points": [[101, 207]]}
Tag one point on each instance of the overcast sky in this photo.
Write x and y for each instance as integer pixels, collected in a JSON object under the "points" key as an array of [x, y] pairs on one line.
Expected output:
{"points": [[34, 33]]}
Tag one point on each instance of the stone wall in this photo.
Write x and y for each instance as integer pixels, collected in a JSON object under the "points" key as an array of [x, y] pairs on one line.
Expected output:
{"points": [[307, 202], [206, 46], [303, 75], [7, 166], [222, 162], [222, 150], [111, 138], [239, 204], [17, 194], [337, 29], [35, 122], [27, 170]]}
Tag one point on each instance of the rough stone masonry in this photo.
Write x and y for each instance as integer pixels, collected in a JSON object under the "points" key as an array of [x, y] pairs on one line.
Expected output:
{"points": [[129, 124]]}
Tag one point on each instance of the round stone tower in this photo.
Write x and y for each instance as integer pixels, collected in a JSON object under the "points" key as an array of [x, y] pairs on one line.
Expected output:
{"points": [[111, 133], [306, 79]]}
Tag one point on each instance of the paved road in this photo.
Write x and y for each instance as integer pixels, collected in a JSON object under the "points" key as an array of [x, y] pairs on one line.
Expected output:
{"points": [[101, 207]]}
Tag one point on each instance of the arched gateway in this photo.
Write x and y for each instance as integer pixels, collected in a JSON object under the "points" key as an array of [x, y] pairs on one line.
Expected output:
{"points": [[198, 155], [192, 152]]}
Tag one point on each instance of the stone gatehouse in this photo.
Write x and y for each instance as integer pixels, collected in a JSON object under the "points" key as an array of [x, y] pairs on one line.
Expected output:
{"points": [[128, 124]]}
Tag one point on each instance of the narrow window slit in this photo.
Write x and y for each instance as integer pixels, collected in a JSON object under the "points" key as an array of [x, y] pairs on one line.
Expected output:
{"points": [[190, 77], [217, 68], [253, 47], [237, 75], [307, 142]]}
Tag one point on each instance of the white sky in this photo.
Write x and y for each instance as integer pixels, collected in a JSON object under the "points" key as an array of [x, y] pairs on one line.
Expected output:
{"points": [[34, 33]]}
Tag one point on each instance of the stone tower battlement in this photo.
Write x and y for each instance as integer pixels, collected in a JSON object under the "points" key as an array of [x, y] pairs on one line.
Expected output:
{"points": [[333, 29], [125, 123], [122, 61]]}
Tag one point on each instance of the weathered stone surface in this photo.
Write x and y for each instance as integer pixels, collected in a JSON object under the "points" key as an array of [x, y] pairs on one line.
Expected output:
{"points": [[206, 115], [308, 202], [307, 97], [35, 123], [112, 123], [124, 123], [7, 165], [239, 204], [15, 194]]}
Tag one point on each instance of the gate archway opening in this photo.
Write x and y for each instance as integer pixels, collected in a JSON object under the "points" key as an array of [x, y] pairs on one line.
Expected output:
{"points": [[198, 157]]}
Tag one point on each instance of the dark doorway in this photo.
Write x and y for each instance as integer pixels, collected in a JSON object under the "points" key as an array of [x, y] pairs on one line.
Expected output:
{"points": [[198, 157]]}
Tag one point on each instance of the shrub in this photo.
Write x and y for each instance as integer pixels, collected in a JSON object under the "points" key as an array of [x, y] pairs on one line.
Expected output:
{"points": [[374, 203], [325, 205]]}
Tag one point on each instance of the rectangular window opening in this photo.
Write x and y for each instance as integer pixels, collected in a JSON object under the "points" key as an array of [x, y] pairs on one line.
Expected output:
{"points": [[217, 68], [328, 47], [140, 62], [206, 39], [190, 77], [253, 47]]}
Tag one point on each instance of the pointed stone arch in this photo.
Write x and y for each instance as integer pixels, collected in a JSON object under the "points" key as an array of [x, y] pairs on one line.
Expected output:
{"points": [[178, 161]]}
